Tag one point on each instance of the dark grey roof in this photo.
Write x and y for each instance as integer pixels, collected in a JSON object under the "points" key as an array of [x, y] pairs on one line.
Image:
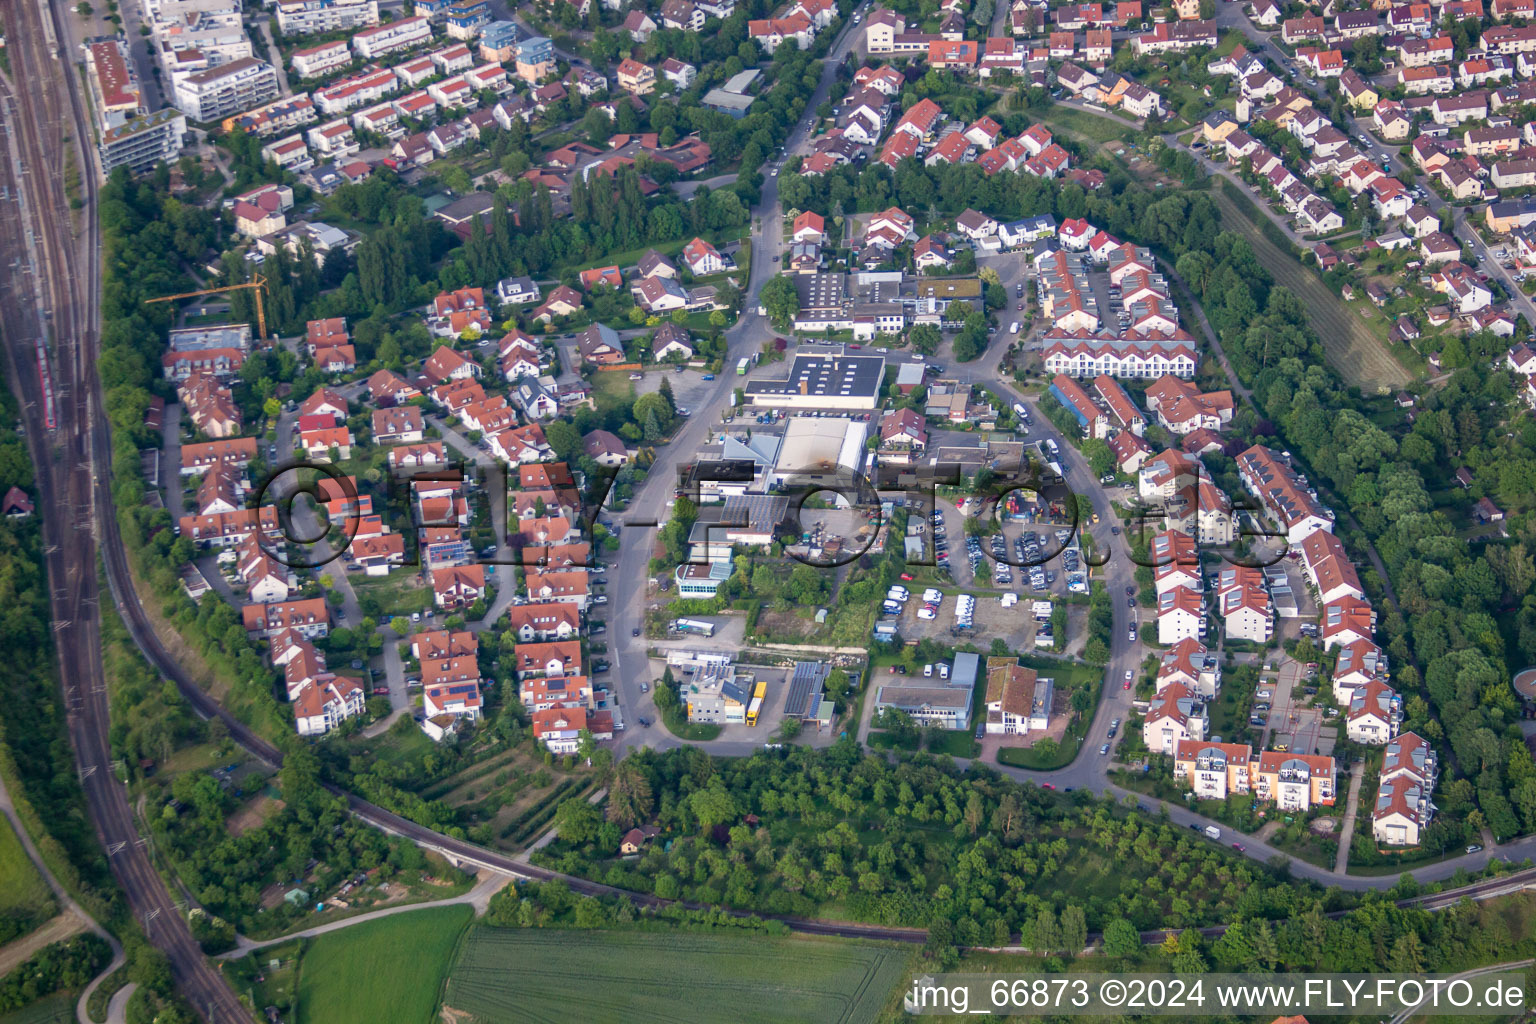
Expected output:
{"points": [[804, 696], [830, 376]]}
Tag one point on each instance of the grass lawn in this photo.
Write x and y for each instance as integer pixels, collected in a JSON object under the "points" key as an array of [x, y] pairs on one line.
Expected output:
{"points": [[614, 386], [24, 896], [399, 593], [1098, 127], [512, 976], [695, 732], [389, 969]]}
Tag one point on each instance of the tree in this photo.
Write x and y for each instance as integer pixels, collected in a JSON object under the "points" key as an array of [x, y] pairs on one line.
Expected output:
{"points": [[712, 805], [629, 796], [781, 301], [564, 440], [1047, 934], [1074, 929], [1101, 459], [925, 339], [1121, 938], [577, 821]]}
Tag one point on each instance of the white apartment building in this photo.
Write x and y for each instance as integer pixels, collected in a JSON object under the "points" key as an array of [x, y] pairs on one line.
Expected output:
{"points": [[218, 92], [127, 137], [314, 61], [390, 38], [193, 35], [310, 17], [333, 140], [355, 91]]}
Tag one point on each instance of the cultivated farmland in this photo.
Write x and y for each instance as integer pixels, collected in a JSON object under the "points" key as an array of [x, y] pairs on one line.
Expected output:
{"points": [[1360, 356], [390, 969], [509, 976], [55, 1009]]}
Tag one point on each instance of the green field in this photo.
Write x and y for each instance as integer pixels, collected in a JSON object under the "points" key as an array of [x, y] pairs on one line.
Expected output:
{"points": [[1358, 353], [24, 897], [385, 970], [506, 976], [55, 1009], [1095, 127]]}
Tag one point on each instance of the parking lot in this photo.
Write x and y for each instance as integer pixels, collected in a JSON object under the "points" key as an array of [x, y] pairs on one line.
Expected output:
{"points": [[689, 388], [1030, 559], [1290, 718], [1015, 625]]}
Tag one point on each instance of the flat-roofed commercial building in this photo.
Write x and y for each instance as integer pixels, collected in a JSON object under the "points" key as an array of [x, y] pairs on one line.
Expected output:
{"points": [[823, 382], [942, 703]]}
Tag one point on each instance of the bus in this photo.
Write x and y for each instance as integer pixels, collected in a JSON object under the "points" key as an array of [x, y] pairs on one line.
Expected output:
{"points": [[743, 366], [756, 707], [697, 627]]}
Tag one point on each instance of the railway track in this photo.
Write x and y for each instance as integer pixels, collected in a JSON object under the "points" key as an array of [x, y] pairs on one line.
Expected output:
{"points": [[50, 299]]}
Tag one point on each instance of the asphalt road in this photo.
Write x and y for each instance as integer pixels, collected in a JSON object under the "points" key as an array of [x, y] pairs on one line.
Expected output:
{"points": [[648, 507]]}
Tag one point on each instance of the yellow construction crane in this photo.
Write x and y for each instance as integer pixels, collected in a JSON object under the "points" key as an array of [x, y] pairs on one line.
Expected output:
{"points": [[258, 282]]}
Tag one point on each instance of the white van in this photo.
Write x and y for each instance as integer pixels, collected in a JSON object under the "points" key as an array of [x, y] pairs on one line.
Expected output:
{"points": [[1213, 831], [1019, 410], [1014, 328]]}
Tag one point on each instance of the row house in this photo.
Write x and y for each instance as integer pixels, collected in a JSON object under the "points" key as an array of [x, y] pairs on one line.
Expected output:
{"points": [[551, 621], [1176, 564], [1086, 353], [209, 405], [198, 458], [319, 61], [1180, 615], [1182, 408], [1243, 602], [391, 38], [228, 529], [458, 586], [1176, 38], [1510, 40], [1345, 621], [1283, 493], [319, 707], [333, 140], [1434, 80], [1329, 569], [1404, 806], [309, 618], [1176, 716], [1213, 771], [1294, 781], [1192, 665], [1359, 664], [416, 72], [560, 729], [357, 91], [1375, 711]]}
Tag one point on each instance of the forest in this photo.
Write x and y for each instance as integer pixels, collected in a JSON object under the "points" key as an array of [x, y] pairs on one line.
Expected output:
{"points": [[841, 833]]}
